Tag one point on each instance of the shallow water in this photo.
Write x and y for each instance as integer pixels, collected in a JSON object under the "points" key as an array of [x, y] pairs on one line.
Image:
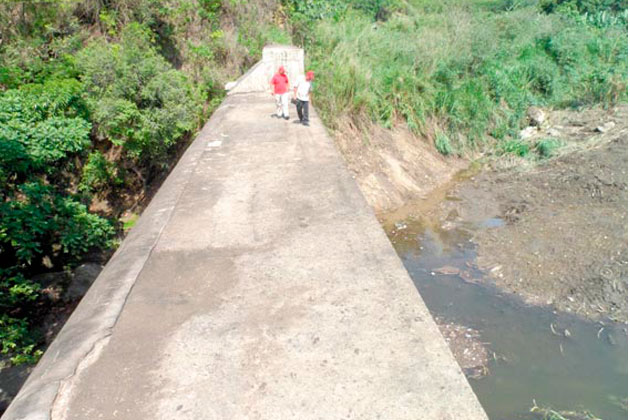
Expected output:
{"points": [[582, 368]]}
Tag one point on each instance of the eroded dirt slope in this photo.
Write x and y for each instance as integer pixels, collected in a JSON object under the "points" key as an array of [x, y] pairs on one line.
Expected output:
{"points": [[565, 239], [393, 167]]}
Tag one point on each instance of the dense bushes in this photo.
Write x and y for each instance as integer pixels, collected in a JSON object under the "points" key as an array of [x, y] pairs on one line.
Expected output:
{"points": [[464, 72], [42, 128], [96, 99], [136, 99], [53, 136]]}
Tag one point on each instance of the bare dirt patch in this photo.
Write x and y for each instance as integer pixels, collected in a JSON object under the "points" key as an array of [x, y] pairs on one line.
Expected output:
{"points": [[564, 241], [393, 167]]}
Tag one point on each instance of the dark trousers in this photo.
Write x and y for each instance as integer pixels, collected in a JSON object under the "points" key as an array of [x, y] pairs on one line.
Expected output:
{"points": [[302, 110]]}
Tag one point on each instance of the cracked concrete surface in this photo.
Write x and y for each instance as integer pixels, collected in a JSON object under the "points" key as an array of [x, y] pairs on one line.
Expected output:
{"points": [[264, 288]]}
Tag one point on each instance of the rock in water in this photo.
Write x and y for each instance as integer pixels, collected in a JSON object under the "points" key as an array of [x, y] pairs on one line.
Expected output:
{"points": [[82, 279], [536, 116]]}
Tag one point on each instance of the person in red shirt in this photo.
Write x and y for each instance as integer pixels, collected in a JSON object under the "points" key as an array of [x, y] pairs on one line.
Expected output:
{"points": [[280, 89]]}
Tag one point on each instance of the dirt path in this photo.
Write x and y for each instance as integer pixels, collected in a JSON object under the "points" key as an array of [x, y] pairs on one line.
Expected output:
{"points": [[564, 239]]}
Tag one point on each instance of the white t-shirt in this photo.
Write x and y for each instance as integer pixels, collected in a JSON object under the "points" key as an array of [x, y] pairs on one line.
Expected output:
{"points": [[303, 88]]}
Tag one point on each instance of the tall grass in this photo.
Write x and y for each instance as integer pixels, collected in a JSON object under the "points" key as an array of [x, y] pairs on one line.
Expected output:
{"points": [[471, 67]]}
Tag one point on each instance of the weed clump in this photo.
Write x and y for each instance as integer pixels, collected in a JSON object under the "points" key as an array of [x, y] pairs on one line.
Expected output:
{"points": [[443, 144], [515, 147], [546, 413], [546, 148]]}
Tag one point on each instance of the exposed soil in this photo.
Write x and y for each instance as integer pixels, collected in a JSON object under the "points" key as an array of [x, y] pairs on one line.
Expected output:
{"points": [[564, 239], [393, 167]]}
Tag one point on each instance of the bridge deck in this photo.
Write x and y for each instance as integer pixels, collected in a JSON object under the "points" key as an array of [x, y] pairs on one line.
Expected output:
{"points": [[257, 285]]}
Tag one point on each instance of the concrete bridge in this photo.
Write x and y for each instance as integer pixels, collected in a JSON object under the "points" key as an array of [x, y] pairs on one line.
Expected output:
{"points": [[256, 285]]}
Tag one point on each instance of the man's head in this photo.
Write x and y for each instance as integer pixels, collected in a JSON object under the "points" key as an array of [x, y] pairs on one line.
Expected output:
{"points": [[281, 70], [310, 75]]}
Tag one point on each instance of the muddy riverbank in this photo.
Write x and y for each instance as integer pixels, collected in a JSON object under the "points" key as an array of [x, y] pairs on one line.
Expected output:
{"points": [[523, 355], [516, 355], [523, 263], [564, 238], [556, 229]]}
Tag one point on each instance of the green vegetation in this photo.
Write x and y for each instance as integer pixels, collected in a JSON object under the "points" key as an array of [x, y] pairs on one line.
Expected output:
{"points": [[515, 147], [546, 148], [443, 144], [467, 69], [540, 149], [130, 222], [549, 414], [96, 100], [135, 98]]}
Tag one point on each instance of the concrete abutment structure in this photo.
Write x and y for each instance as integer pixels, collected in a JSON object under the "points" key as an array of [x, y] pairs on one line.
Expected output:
{"points": [[273, 56], [258, 284]]}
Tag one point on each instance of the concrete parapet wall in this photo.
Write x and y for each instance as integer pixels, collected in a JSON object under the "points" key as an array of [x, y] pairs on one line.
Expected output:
{"points": [[258, 77]]}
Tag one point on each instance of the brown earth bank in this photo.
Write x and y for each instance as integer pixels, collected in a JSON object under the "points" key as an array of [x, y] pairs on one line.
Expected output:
{"points": [[558, 231], [393, 167], [565, 241]]}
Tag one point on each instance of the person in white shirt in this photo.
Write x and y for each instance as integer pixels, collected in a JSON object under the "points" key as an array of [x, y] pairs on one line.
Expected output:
{"points": [[302, 95]]}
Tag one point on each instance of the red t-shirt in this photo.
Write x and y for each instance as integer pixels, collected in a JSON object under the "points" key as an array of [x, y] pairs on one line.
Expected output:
{"points": [[280, 83]]}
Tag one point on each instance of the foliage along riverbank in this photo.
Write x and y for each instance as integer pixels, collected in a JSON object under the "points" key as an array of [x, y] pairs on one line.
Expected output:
{"points": [[462, 73], [97, 99]]}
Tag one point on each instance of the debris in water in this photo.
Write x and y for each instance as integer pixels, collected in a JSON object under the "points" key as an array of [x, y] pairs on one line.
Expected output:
{"points": [[548, 413], [447, 270], [471, 354], [400, 225]]}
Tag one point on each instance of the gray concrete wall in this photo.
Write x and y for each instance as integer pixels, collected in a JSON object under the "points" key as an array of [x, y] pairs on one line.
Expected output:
{"points": [[256, 285], [258, 77]]}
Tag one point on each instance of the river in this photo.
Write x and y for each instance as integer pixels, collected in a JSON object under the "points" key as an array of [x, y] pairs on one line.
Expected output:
{"points": [[540, 357]]}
